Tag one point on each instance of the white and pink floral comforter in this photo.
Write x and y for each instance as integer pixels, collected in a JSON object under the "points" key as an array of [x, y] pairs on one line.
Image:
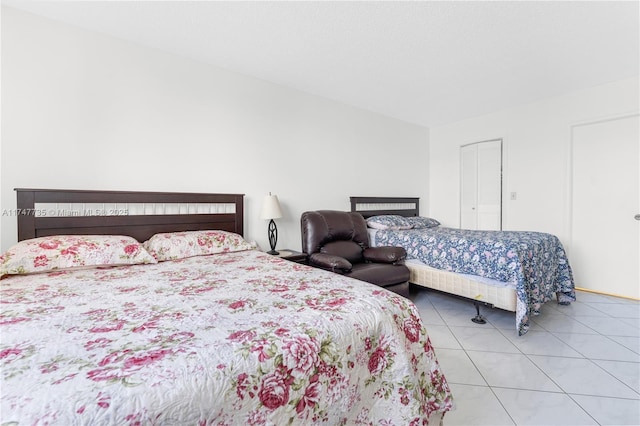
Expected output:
{"points": [[236, 338]]}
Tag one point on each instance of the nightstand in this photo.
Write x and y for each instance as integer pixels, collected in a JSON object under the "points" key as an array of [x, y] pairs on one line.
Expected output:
{"points": [[292, 255]]}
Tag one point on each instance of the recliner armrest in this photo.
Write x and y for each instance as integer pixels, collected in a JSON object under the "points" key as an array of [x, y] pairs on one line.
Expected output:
{"points": [[330, 262], [385, 254]]}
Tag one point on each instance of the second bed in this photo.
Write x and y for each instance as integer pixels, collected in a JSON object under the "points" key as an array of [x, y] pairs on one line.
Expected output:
{"points": [[512, 270]]}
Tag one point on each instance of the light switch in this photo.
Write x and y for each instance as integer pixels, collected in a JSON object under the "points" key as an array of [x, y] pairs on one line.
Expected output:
{"points": [[513, 196]]}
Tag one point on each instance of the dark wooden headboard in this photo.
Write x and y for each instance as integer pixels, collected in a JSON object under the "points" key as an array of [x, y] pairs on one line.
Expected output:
{"points": [[44, 212], [373, 206]]}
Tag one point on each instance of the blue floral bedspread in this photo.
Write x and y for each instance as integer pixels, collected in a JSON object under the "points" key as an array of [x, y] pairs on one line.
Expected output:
{"points": [[536, 262]]}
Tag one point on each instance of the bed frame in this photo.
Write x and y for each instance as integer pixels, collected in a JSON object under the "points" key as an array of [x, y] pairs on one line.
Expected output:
{"points": [[44, 212], [422, 275]]}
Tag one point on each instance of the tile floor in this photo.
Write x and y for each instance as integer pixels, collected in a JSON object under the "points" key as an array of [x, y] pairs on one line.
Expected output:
{"points": [[577, 365]]}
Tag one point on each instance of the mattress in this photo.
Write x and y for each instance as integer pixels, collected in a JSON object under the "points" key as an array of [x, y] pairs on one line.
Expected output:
{"points": [[535, 262], [499, 294], [231, 338]]}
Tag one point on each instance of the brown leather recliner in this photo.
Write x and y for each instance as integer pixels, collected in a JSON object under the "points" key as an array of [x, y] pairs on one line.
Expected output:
{"points": [[338, 241]]}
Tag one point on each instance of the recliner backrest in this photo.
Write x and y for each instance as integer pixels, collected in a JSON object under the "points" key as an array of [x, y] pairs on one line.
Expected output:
{"points": [[340, 233]]}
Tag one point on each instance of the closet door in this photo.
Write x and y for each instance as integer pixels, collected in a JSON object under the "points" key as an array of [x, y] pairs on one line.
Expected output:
{"points": [[481, 185], [605, 211]]}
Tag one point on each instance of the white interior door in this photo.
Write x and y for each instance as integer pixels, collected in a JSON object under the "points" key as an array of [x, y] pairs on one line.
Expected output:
{"points": [[481, 185], [605, 236]]}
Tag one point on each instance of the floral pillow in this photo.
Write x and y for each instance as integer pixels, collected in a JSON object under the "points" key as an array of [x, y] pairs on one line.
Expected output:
{"points": [[72, 251], [389, 221], [421, 222], [178, 245]]}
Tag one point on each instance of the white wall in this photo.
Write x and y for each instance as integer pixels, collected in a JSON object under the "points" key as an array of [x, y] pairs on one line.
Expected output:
{"points": [[85, 111], [536, 140]]}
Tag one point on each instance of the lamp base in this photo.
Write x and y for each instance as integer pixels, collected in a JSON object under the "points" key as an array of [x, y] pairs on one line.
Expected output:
{"points": [[273, 237]]}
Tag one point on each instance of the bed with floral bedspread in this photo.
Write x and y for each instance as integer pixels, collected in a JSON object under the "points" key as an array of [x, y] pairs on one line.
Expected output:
{"points": [[535, 262], [225, 339]]}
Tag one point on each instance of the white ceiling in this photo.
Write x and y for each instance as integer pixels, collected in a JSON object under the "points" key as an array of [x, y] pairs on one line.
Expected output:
{"points": [[425, 62]]}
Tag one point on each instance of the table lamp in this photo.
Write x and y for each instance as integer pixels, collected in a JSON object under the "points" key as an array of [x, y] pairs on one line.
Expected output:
{"points": [[271, 210]]}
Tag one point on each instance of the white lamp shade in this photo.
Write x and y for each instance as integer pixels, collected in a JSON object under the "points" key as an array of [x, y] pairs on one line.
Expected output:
{"points": [[270, 208]]}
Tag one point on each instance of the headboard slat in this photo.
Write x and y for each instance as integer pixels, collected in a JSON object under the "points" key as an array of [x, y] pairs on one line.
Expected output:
{"points": [[385, 202]]}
